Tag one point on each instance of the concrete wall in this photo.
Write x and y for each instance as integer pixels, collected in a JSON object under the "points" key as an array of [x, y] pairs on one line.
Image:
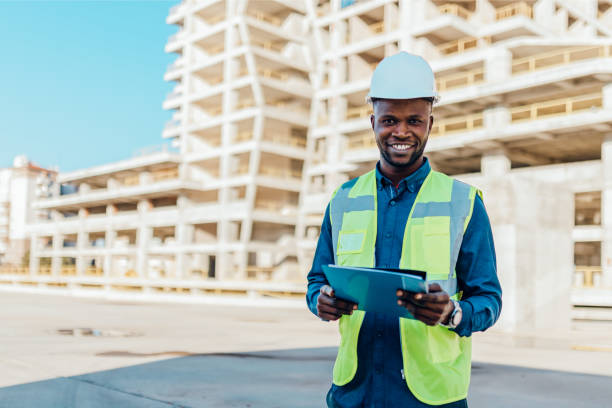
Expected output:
{"points": [[532, 222]]}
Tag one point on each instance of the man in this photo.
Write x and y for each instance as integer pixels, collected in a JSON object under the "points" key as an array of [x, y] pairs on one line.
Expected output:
{"points": [[403, 214]]}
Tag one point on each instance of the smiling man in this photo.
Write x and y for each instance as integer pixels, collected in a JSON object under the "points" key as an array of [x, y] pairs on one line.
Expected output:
{"points": [[410, 217]]}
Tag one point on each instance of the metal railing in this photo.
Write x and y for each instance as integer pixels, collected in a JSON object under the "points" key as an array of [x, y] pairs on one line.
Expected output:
{"points": [[259, 272], [131, 284], [562, 57], [247, 103], [258, 15], [563, 106], [285, 140], [460, 45], [269, 45], [68, 271], [274, 205], [455, 9], [512, 10], [585, 276], [460, 79], [364, 140], [131, 180], [280, 172], [245, 136], [94, 271], [358, 112], [14, 270], [269, 73], [168, 174], [457, 124]]}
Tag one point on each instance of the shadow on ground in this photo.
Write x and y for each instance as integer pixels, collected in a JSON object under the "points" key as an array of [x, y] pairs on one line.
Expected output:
{"points": [[281, 378]]}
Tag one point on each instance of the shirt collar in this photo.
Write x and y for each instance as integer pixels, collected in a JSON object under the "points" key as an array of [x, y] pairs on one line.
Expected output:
{"points": [[412, 182]]}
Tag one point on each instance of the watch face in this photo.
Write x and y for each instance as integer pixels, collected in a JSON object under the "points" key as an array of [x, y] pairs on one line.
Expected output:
{"points": [[457, 318]]}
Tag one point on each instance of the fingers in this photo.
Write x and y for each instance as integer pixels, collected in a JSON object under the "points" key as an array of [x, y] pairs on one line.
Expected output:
{"points": [[427, 316], [422, 299], [327, 290], [435, 287], [426, 307], [328, 312], [331, 308]]}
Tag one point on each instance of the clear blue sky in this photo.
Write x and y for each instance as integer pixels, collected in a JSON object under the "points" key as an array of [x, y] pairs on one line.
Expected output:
{"points": [[81, 82]]}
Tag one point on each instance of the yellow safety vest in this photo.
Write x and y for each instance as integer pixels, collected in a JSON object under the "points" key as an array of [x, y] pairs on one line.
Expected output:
{"points": [[436, 360]]}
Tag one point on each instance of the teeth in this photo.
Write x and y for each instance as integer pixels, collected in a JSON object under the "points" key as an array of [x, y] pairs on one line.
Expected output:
{"points": [[402, 146]]}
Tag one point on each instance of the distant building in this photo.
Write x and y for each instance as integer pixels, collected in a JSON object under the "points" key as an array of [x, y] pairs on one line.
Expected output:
{"points": [[20, 186]]}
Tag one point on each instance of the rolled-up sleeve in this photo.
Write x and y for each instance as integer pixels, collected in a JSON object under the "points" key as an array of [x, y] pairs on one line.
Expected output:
{"points": [[324, 255], [477, 275]]}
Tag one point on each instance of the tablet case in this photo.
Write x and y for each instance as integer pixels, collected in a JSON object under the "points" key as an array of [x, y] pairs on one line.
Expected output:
{"points": [[374, 289]]}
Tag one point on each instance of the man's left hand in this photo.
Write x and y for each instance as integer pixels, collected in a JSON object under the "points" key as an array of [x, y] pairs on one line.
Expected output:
{"points": [[430, 308]]}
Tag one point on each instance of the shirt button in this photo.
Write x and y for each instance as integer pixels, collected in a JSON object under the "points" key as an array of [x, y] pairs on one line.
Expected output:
{"points": [[379, 334], [392, 202], [378, 370], [388, 235], [411, 188]]}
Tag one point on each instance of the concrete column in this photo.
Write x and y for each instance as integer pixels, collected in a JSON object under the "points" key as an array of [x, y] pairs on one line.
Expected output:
{"points": [[497, 65], [532, 224], [111, 210], [81, 243], [143, 237], [34, 258], [496, 118], [145, 178], [606, 211], [339, 29], [184, 236], [56, 261], [495, 164], [84, 188], [55, 189], [80, 259], [112, 183], [109, 241], [607, 96]]}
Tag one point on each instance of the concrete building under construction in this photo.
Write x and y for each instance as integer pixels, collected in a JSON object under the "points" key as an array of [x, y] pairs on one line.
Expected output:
{"points": [[269, 117]]}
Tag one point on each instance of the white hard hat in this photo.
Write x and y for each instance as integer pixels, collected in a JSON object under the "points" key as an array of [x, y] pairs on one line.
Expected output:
{"points": [[403, 76]]}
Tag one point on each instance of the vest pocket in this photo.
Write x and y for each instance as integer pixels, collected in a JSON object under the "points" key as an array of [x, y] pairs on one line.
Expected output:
{"points": [[351, 242], [436, 244]]}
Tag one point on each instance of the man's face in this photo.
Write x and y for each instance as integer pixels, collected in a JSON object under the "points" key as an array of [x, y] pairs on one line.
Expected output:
{"points": [[401, 127]]}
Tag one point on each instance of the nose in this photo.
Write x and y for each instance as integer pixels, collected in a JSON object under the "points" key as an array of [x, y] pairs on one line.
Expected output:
{"points": [[401, 130]]}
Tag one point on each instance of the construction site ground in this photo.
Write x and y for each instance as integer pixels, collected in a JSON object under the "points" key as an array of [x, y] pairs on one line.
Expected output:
{"points": [[60, 351]]}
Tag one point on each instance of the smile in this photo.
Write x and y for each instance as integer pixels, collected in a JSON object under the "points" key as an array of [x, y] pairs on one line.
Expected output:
{"points": [[402, 147]]}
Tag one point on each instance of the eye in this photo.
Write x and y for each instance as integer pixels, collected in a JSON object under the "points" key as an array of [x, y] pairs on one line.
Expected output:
{"points": [[389, 122], [415, 121]]}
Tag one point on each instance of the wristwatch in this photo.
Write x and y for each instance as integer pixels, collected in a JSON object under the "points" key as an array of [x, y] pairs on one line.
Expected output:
{"points": [[455, 317]]}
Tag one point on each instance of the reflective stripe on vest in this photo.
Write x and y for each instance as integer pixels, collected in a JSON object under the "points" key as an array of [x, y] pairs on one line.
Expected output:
{"points": [[436, 360]]}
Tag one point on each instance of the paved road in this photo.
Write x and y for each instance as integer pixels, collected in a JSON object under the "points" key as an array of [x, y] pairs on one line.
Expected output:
{"points": [[163, 355], [284, 378]]}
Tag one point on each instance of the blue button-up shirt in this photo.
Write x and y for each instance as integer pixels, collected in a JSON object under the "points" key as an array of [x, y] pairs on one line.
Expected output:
{"points": [[378, 381]]}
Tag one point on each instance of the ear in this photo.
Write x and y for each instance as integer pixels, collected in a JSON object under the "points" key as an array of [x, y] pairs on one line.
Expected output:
{"points": [[431, 121], [372, 121]]}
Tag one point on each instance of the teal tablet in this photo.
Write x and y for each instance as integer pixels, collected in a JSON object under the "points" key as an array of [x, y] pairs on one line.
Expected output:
{"points": [[374, 290]]}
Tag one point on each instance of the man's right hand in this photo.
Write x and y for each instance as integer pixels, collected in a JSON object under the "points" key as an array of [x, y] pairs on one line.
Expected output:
{"points": [[329, 307]]}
